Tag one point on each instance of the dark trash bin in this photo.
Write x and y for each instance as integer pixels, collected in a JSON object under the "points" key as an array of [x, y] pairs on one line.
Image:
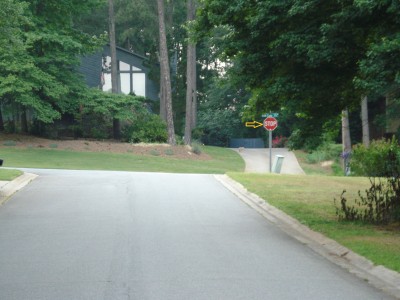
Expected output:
{"points": [[1, 162]]}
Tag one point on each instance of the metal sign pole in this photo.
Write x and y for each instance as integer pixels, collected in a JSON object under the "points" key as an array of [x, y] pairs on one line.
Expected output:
{"points": [[270, 151]]}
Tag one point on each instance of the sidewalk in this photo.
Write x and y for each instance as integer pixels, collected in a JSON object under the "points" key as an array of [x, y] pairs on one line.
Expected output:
{"points": [[8, 188], [257, 160]]}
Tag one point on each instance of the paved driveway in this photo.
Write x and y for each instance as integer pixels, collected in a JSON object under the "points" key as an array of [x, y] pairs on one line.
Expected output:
{"points": [[257, 160]]}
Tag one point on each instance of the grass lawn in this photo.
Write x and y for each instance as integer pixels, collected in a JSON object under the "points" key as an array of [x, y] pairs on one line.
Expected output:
{"points": [[222, 160], [310, 199], [8, 175]]}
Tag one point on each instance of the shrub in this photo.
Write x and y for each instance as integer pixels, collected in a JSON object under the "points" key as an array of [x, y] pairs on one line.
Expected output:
{"points": [[146, 128], [380, 159], [217, 126], [196, 149], [326, 151], [169, 152], [10, 143], [299, 140], [381, 202], [155, 152], [379, 205]]}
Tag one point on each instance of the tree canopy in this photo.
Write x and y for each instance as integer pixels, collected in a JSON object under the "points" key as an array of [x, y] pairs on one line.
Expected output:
{"points": [[310, 58], [38, 65]]}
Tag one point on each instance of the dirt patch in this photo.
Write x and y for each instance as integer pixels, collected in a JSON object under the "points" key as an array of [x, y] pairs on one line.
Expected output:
{"points": [[83, 145]]}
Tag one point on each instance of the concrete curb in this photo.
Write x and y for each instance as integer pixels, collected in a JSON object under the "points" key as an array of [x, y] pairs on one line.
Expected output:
{"points": [[15, 185], [378, 276]]}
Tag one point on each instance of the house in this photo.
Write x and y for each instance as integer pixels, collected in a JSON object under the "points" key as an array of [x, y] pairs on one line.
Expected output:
{"points": [[133, 75]]}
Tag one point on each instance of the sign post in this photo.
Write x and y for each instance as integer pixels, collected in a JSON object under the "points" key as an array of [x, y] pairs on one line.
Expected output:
{"points": [[270, 124]]}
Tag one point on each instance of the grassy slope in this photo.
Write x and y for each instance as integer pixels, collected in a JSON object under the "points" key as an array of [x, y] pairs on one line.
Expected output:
{"points": [[223, 160]]}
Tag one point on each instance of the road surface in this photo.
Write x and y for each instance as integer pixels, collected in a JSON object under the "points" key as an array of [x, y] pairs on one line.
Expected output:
{"points": [[121, 235]]}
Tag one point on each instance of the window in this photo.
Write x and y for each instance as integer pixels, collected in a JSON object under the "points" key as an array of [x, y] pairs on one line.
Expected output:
{"points": [[124, 66], [130, 78], [125, 83], [139, 84]]}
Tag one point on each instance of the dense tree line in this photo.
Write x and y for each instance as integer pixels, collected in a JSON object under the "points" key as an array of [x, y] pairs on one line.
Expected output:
{"points": [[306, 58], [229, 62], [38, 56], [42, 43]]}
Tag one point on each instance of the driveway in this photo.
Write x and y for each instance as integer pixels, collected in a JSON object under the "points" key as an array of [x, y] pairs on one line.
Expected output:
{"points": [[257, 160]]}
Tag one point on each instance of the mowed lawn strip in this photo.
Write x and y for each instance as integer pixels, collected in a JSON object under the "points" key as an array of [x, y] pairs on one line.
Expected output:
{"points": [[222, 160], [8, 175], [310, 199]]}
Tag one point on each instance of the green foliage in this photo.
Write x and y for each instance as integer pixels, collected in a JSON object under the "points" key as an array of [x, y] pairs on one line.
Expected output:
{"points": [[11, 18], [313, 58], [38, 67], [381, 202], [196, 148], [146, 128], [220, 112], [10, 143], [155, 152], [324, 152], [217, 126], [301, 140], [169, 152], [380, 159], [98, 109]]}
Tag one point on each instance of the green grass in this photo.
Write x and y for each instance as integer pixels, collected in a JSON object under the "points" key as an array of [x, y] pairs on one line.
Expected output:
{"points": [[309, 199], [315, 167], [8, 174], [222, 160]]}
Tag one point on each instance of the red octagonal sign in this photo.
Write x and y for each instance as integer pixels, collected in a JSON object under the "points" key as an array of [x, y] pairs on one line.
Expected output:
{"points": [[270, 123]]}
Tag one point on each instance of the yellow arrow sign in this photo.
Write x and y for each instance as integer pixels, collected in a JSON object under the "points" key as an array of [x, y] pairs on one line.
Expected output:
{"points": [[253, 124]]}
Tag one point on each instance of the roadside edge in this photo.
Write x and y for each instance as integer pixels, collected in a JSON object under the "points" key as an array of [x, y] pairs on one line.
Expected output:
{"points": [[378, 276], [15, 185]]}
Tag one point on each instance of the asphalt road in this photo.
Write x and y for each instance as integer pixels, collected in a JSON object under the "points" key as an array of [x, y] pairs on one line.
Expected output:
{"points": [[120, 235]]}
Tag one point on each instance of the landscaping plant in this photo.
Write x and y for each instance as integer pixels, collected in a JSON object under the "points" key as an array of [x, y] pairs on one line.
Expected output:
{"points": [[381, 202]]}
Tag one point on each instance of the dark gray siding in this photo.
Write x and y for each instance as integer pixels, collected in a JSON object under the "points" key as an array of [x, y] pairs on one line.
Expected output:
{"points": [[91, 69]]}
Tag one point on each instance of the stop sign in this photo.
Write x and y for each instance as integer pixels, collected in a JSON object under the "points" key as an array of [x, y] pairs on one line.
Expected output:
{"points": [[270, 123]]}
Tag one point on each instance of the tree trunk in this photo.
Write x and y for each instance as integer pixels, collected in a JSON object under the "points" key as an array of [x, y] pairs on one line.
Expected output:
{"points": [[24, 121], [114, 67], [165, 73], [364, 121], [346, 140], [1, 120], [163, 110], [191, 97]]}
